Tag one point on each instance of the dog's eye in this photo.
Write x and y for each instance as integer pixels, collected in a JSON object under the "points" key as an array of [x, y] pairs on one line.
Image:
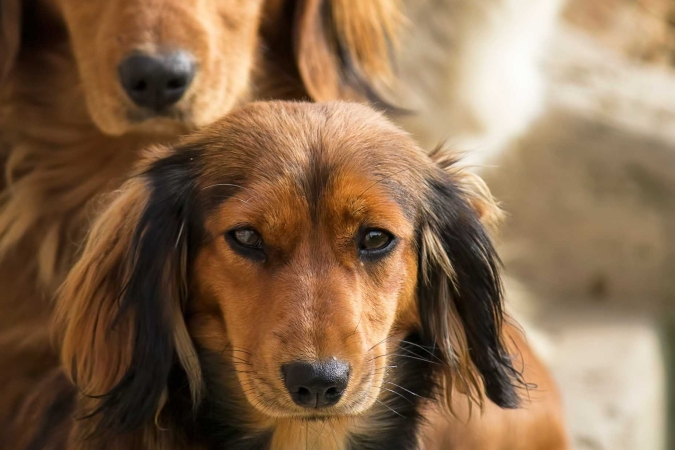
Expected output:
{"points": [[247, 242], [247, 237], [375, 242]]}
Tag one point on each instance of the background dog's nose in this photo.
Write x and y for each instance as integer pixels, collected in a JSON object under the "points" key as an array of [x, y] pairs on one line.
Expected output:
{"points": [[316, 384], [156, 81]]}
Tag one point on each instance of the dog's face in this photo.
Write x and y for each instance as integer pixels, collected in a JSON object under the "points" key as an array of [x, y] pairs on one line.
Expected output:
{"points": [[167, 66], [155, 64], [293, 250], [310, 267]]}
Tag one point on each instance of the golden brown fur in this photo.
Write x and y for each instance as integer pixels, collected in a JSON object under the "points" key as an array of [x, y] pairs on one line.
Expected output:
{"points": [[537, 424], [68, 133], [162, 297]]}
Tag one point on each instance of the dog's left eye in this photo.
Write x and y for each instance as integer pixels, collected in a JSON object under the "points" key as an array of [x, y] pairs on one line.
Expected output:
{"points": [[247, 237], [247, 242], [374, 241]]}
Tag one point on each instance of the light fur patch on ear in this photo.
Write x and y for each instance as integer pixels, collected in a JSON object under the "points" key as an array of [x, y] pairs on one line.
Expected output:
{"points": [[481, 199], [432, 252]]}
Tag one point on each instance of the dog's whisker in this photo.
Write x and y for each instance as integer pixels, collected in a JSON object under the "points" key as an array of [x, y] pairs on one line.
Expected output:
{"points": [[406, 356], [382, 341], [421, 347], [397, 393], [401, 387], [389, 408], [332, 429], [411, 353], [318, 438]]}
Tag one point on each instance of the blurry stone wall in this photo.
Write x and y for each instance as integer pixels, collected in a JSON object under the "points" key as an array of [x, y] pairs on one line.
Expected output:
{"points": [[590, 192]]}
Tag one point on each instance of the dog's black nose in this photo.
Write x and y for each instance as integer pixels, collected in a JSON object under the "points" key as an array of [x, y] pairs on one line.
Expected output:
{"points": [[316, 384], [156, 81]]}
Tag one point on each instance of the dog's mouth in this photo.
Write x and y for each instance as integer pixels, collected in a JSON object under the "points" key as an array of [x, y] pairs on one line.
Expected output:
{"points": [[172, 120], [140, 115]]}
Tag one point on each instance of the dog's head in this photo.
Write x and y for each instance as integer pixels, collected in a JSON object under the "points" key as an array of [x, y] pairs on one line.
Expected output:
{"points": [[148, 65], [287, 253]]}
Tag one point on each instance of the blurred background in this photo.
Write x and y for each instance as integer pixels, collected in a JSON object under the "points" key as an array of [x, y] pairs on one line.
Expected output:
{"points": [[568, 110]]}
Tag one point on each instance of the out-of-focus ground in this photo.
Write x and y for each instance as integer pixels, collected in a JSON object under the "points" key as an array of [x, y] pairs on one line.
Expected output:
{"points": [[590, 190]]}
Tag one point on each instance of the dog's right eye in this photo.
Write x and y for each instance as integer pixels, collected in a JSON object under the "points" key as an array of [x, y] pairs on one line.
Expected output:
{"points": [[247, 238], [247, 242]]}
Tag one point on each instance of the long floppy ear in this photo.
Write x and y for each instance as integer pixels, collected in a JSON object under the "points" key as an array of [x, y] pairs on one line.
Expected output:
{"points": [[344, 48], [119, 312], [10, 35], [460, 291]]}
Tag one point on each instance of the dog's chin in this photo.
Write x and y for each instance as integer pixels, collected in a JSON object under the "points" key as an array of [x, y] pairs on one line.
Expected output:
{"points": [[162, 126], [171, 122], [124, 121]]}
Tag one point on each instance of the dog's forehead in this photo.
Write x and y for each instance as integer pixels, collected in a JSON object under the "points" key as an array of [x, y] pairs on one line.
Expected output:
{"points": [[343, 157], [315, 146], [310, 141]]}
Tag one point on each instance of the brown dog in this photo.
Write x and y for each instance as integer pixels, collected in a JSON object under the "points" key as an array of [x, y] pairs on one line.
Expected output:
{"points": [[296, 276], [85, 84]]}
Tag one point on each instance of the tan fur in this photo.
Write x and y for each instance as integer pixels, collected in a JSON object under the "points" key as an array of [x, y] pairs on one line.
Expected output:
{"points": [[538, 424]]}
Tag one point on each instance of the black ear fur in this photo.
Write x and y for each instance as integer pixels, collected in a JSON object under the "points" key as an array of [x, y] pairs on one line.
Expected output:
{"points": [[473, 290], [163, 238]]}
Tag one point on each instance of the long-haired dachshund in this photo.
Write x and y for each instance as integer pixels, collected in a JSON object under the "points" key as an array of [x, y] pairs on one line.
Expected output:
{"points": [[84, 85], [295, 276]]}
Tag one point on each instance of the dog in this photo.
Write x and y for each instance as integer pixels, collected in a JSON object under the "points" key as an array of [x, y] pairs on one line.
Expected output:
{"points": [[295, 276], [85, 85]]}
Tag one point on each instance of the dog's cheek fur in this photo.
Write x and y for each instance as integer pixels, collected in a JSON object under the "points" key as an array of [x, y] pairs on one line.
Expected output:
{"points": [[125, 296], [460, 297]]}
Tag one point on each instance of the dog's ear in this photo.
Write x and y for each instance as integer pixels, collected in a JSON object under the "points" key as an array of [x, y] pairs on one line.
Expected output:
{"points": [[460, 291], [10, 34], [120, 310], [344, 48]]}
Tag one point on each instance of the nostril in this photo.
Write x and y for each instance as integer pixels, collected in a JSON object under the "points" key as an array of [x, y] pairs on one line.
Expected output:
{"points": [[332, 395], [176, 83], [306, 397], [304, 392], [139, 86]]}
